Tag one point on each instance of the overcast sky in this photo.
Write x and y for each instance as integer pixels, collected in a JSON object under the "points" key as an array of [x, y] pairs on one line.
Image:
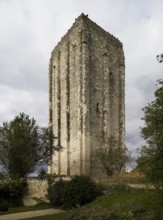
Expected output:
{"points": [[30, 29]]}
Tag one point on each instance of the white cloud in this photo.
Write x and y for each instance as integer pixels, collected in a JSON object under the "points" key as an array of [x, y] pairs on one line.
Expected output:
{"points": [[14, 101]]}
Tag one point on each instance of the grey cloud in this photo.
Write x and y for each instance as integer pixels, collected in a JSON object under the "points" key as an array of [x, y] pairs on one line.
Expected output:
{"points": [[31, 29], [14, 101]]}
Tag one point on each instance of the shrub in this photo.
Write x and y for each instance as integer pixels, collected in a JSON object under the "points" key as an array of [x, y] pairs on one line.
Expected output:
{"points": [[55, 193], [2, 176], [76, 192], [12, 190], [42, 174], [3, 205]]}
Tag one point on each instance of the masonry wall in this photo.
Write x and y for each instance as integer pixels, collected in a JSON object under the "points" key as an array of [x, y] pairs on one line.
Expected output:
{"points": [[86, 96], [36, 192], [106, 76]]}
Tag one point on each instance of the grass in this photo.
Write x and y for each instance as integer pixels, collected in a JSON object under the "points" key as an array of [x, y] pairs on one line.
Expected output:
{"points": [[118, 199], [137, 199], [27, 208], [61, 216]]}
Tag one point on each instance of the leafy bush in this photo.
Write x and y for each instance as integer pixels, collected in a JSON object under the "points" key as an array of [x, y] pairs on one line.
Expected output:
{"points": [[55, 193], [12, 190], [2, 176], [3, 205], [42, 174], [75, 192]]}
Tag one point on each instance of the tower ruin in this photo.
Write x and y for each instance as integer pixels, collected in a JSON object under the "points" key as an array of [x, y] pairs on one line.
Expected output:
{"points": [[86, 96]]}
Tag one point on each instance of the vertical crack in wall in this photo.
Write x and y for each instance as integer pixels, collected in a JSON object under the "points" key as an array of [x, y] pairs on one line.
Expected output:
{"points": [[105, 97], [103, 105], [68, 107], [50, 102], [121, 100], [111, 101], [85, 122], [81, 103], [59, 110], [50, 92]]}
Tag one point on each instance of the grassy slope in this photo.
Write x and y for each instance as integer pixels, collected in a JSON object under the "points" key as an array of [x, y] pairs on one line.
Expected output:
{"points": [[137, 198]]}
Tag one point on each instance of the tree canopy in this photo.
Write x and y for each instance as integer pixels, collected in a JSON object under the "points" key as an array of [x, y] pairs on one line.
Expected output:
{"points": [[159, 58], [23, 145], [151, 155]]}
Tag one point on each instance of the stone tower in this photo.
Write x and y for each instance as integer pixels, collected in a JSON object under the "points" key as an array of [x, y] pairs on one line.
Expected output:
{"points": [[86, 96]]}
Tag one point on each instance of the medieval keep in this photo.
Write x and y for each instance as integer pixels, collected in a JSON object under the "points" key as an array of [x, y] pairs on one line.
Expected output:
{"points": [[86, 97]]}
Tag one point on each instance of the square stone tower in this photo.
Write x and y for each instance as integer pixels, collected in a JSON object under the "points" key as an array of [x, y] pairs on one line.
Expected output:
{"points": [[86, 96]]}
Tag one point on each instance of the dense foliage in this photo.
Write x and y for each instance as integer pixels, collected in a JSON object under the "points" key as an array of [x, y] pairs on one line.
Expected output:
{"points": [[150, 159], [160, 58], [23, 145], [12, 191], [77, 191], [42, 174], [112, 156]]}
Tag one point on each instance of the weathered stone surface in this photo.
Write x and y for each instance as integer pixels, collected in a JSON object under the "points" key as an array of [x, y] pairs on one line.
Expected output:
{"points": [[86, 96], [36, 192]]}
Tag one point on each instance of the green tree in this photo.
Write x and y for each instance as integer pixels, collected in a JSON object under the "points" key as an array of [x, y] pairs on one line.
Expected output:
{"points": [[23, 145], [159, 58], [150, 158], [112, 156], [42, 174]]}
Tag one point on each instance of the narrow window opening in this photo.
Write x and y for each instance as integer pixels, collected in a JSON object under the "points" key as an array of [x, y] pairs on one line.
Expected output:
{"points": [[50, 115], [111, 74], [84, 42], [97, 107]]}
